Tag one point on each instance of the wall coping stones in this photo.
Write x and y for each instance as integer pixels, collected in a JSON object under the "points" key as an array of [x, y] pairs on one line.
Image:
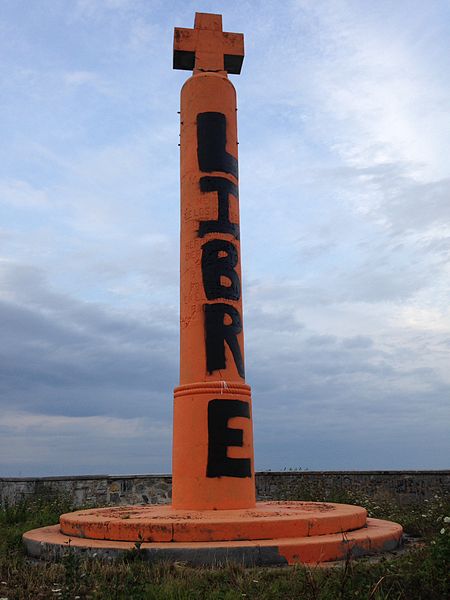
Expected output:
{"points": [[425, 472]]}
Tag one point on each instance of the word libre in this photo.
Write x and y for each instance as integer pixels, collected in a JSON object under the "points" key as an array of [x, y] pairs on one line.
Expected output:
{"points": [[221, 281]]}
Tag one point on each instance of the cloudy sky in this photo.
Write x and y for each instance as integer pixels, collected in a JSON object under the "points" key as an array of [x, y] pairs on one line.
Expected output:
{"points": [[344, 160]]}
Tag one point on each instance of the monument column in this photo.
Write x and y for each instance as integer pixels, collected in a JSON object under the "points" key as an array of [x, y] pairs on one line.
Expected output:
{"points": [[212, 436]]}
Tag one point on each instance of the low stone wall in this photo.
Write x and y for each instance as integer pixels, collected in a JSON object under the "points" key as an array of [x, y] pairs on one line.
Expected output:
{"points": [[90, 490], [408, 487]]}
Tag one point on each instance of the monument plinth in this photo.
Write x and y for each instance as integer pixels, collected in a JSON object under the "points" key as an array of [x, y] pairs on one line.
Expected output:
{"points": [[214, 516]]}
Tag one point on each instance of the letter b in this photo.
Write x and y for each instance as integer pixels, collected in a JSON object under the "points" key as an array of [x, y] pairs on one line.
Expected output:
{"points": [[214, 267]]}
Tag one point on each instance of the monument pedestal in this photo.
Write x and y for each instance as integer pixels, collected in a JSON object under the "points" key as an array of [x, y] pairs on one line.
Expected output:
{"points": [[272, 533]]}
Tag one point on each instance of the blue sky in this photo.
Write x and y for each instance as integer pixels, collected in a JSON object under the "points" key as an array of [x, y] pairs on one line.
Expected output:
{"points": [[343, 131]]}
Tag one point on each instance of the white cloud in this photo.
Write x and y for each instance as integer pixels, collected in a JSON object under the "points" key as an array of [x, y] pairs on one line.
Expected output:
{"points": [[54, 444], [80, 77], [343, 163], [21, 194], [45, 425]]}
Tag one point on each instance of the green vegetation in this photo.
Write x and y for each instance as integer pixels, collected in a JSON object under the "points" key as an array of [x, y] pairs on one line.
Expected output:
{"points": [[419, 573]]}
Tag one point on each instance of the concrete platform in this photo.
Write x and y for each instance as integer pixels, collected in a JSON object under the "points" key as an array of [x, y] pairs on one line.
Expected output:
{"points": [[275, 533], [165, 524]]}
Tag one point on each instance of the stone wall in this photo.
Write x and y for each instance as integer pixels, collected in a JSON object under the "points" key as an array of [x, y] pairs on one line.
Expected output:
{"points": [[406, 486], [90, 490]]}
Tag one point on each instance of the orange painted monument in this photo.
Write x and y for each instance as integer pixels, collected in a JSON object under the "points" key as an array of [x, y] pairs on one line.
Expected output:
{"points": [[212, 461], [214, 516]]}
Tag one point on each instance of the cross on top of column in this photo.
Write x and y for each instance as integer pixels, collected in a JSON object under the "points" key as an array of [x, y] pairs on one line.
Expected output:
{"points": [[207, 47]]}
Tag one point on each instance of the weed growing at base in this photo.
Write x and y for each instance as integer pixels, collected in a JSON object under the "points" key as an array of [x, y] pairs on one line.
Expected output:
{"points": [[421, 573]]}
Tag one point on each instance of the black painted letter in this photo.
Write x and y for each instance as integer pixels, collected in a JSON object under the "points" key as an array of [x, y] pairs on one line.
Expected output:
{"points": [[212, 139], [217, 333], [220, 437], [214, 267], [223, 187]]}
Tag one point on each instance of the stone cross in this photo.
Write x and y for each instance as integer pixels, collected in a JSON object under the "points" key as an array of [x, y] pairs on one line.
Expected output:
{"points": [[207, 47]]}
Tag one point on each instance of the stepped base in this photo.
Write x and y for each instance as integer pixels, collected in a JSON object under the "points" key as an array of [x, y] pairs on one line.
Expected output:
{"points": [[159, 523], [274, 533]]}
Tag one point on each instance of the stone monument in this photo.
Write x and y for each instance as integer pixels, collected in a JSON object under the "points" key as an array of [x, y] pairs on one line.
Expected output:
{"points": [[214, 516]]}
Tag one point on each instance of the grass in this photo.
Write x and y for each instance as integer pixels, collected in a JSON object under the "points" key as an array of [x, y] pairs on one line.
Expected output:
{"points": [[421, 573]]}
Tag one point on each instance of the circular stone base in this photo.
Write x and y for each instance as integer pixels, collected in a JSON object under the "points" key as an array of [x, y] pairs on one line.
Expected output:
{"points": [[48, 543], [274, 533], [159, 523]]}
